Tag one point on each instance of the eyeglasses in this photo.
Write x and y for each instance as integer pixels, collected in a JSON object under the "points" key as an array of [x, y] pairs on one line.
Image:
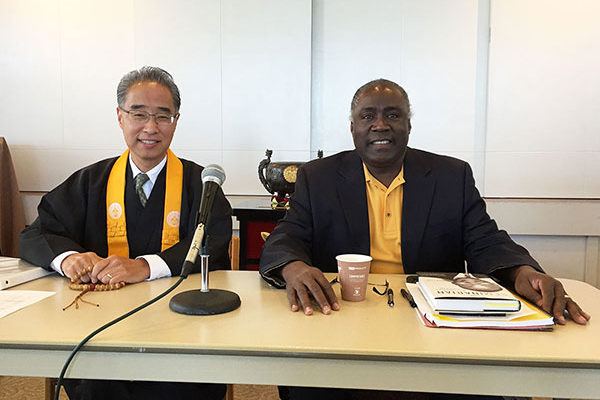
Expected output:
{"points": [[142, 117], [386, 285]]}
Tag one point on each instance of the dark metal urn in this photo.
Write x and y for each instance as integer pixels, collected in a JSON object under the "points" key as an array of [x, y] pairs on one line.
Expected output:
{"points": [[279, 178]]}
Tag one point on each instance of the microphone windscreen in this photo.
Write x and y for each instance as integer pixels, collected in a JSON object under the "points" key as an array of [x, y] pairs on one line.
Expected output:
{"points": [[213, 173]]}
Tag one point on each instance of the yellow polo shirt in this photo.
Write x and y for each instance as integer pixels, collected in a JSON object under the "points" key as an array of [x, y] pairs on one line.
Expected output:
{"points": [[385, 221]]}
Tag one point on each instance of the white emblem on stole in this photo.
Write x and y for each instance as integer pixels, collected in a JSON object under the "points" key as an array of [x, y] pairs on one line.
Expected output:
{"points": [[115, 211], [173, 219]]}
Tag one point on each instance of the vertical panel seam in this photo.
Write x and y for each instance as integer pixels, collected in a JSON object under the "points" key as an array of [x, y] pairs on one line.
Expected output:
{"points": [[481, 88]]}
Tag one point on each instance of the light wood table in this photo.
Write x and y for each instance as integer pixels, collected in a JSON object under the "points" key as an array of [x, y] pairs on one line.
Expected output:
{"points": [[365, 345]]}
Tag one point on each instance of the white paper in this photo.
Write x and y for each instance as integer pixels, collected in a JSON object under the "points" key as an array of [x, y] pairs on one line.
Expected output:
{"points": [[14, 300]]}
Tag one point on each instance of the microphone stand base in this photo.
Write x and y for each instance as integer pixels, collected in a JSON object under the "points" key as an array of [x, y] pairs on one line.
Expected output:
{"points": [[197, 302]]}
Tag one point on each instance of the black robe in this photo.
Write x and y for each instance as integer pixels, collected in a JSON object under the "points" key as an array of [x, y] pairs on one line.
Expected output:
{"points": [[73, 217]]}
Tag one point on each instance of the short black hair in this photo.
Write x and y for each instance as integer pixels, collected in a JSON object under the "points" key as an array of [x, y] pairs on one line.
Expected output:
{"points": [[373, 84], [148, 74]]}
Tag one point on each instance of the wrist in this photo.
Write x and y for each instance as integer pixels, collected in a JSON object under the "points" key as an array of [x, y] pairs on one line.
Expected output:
{"points": [[145, 267], [510, 274]]}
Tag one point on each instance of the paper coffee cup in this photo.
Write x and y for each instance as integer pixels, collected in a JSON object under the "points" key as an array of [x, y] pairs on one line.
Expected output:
{"points": [[353, 270]]}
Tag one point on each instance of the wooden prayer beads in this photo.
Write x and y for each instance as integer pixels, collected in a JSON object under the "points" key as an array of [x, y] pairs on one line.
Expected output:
{"points": [[81, 273], [89, 287], [95, 287]]}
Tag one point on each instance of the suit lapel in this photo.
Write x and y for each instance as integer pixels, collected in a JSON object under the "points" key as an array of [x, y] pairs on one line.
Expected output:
{"points": [[352, 194], [418, 195]]}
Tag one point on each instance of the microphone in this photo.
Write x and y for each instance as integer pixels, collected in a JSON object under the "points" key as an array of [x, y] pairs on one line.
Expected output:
{"points": [[213, 177], [204, 301]]}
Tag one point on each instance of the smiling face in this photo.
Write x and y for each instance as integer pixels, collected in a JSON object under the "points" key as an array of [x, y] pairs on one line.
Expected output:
{"points": [[380, 128], [148, 141]]}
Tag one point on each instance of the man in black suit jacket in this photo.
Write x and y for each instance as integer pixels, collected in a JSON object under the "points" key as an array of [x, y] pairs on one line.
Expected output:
{"points": [[443, 218], [443, 223]]}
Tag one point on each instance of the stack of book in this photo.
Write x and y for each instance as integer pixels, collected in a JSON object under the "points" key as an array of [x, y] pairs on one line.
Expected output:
{"points": [[460, 301], [14, 271]]}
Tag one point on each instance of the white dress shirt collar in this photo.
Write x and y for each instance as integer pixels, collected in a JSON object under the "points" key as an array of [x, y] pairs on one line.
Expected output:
{"points": [[152, 174]]}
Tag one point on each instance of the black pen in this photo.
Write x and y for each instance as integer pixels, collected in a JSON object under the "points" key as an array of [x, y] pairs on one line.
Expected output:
{"points": [[390, 294], [408, 298]]}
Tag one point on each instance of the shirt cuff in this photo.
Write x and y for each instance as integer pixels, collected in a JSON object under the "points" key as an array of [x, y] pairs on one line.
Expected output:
{"points": [[158, 266], [57, 262]]}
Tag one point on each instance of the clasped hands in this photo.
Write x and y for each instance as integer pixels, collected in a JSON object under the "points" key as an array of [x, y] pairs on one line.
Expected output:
{"points": [[109, 270], [305, 284]]}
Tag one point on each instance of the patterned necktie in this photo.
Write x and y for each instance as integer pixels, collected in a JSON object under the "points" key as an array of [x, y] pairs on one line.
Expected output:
{"points": [[140, 179]]}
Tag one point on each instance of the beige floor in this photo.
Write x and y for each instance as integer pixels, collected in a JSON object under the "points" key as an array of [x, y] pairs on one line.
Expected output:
{"points": [[16, 388]]}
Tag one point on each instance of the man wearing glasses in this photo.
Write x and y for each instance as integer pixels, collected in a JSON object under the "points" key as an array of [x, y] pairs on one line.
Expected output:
{"points": [[408, 209], [131, 218]]}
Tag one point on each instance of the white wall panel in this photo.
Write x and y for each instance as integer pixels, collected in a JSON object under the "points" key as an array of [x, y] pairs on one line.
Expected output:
{"points": [[428, 47], [538, 217], [353, 44], [439, 44], [97, 48], [184, 37], [251, 79], [543, 174], [559, 256], [64, 58], [41, 169], [266, 74], [202, 157], [543, 112], [30, 75]]}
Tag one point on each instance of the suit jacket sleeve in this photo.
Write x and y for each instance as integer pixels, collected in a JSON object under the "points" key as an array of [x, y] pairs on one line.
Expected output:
{"points": [[60, 224], [291, 238], [444, 221]]}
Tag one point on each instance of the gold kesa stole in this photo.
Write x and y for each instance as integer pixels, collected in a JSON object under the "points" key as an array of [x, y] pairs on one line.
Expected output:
{"points": [[116, 226]]}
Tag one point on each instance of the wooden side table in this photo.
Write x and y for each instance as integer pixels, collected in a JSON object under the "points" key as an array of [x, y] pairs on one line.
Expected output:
{"points": [[254, 216]]}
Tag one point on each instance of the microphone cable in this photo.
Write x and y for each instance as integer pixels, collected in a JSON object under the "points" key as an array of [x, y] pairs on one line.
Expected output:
{"points": [[107, 325]]}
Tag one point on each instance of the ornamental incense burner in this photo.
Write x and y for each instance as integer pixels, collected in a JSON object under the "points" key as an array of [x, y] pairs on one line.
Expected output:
{"points": [[279, 178]]}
